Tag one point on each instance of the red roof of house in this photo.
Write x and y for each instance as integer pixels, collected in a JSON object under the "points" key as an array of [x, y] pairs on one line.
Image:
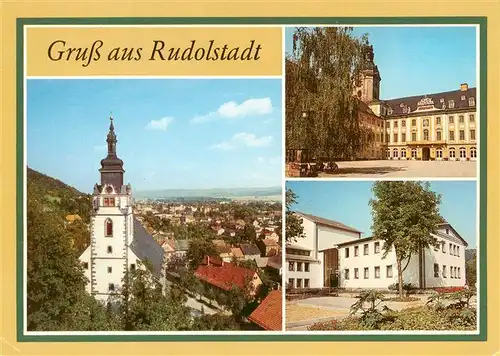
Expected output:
{"points": [[224, 275], [268, 314]]}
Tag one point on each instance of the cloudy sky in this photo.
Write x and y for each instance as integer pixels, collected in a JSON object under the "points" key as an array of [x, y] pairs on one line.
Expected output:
{"points": [[194, 133]]}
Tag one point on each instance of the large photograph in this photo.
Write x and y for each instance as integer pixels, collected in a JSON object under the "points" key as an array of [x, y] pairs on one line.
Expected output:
{"points": [[153, 205]]}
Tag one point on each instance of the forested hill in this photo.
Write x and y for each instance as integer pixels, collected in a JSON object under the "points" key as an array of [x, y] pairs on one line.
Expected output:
{"points": [[57, 196]]}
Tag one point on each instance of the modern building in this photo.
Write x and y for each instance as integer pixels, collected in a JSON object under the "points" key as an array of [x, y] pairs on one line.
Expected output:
{"points": [[118, 241], [312, 261], [435, 126], [363, 265]]}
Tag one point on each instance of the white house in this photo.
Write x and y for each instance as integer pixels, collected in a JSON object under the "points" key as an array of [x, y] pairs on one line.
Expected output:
{"points": [[313, 260], [118, 240], [362, 266]]}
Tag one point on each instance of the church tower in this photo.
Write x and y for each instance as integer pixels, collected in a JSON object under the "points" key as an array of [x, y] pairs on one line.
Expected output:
{"points": [[369, 88], [112, 232]]}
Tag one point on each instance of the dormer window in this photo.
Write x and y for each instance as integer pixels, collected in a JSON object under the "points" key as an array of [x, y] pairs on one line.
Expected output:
{"points": [[447, 231], [402, 105], [472, 101], [109, 201], [390, 111], [451, 104], [441, 100], [462, 97]]}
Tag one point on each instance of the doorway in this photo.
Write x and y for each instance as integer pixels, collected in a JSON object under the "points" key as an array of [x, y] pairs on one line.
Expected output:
{"points": [[426, 153]]}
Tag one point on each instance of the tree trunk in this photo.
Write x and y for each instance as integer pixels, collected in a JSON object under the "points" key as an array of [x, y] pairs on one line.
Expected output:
{"points": [[400, 277]]}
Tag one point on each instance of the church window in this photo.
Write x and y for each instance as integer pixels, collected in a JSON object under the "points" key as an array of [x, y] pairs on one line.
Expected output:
{"points": [[108, 227], [132, 267], [111, 287], [85, 265], [110, 249], [109, 201]]}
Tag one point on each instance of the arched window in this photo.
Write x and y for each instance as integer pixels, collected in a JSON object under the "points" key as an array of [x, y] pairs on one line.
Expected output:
{"points": [[395, 153], [414, 153], [439, 153], [452, 152], [108, 228], [463, 153], [387, 153], [413, 122], [403, 153], [473, 152], [426, 135]]}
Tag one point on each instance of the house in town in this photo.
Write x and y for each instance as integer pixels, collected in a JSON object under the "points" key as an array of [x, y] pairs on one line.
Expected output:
{"points": [[224, 275], [312, 261], [118, 241], [268, 247], [275, 262], [250, 252], [268, 315], [237, 253], [362, 264]]}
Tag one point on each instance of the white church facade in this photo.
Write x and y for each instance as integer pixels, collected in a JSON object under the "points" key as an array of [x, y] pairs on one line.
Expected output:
{"points": [[118, 241]]}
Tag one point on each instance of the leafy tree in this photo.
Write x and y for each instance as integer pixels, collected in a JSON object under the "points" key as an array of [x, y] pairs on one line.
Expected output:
{"points": [[197, 250], [405, 214], [293, 223], [471, 271], [215, 322], [321, 76]]}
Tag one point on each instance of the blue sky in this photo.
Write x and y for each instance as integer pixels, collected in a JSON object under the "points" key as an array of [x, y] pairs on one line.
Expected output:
{"points": [[172, 134], [347, 202], [419, 60]]}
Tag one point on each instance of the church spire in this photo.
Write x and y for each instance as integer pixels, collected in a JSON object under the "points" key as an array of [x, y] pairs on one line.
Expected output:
{"points": [[111, 166]]}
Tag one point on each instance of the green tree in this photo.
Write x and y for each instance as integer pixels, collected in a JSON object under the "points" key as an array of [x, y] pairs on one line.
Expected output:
{"points": [[321, 76], [197, 250], [471, 271], [405, 214], [293, 223]]}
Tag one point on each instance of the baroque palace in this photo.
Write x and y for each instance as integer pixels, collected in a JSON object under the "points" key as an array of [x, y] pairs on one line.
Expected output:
{"points": [[439, 126]]}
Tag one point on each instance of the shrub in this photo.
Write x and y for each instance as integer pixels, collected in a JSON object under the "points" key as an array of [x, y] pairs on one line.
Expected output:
{"points": [[407, 287]]}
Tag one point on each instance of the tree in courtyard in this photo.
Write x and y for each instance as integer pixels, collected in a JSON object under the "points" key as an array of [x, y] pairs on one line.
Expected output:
{"points": [[322, 73], [293, 223], [404, 216]]}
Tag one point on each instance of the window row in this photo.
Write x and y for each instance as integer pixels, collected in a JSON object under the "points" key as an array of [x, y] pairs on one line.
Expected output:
{"points": [[454, 271], [401, 153], [366, 249], [426, 122], [110, 269], [297, 266], [292, 284], [366, 272], [439, 137], [453, 249]]}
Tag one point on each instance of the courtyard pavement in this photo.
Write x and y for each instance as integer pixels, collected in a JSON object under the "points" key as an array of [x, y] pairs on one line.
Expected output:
{"points": [[404, 169]]}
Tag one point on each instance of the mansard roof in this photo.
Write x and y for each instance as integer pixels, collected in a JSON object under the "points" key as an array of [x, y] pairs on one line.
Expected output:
{"points": [[146, 248], [440, 101]]}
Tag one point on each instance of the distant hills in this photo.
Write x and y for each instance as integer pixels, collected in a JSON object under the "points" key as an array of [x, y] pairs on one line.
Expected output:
{"points": [[271, 193]]}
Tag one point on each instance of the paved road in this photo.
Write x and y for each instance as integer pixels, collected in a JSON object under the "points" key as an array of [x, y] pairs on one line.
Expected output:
{"points": [[409, 169], [193, 303]]}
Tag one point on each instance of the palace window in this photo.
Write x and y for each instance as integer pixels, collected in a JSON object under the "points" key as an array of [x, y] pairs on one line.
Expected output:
{"points": [[108, 228], [413, 136], [462, 97], [472, 101], [377, 272], [471, 118], [356, 251], [299, 266], [291, 266], [365, 249], [299, 282], [110, 269], [403, 123], [111, 287], [452, 135], [414, 153], [395, 137], [388, 271], [413, 122], [356, 273], [403, 153], [444, 271], [346, 273], [387, 153], [436, 270], [472, 134], [387, 138], [347, 252], [377, 247], [451, 104], [461, 119], [451, 152], [438, 121], [426, 122], [395, 124], [426, 135], [463, 153], [451, 120], [462, 135], [438, 135], [367, 273], [110, 249], [473, 152], [439, 153], [306, 283], [109, 201], [403, 137], [395, 153], [291, 283]]}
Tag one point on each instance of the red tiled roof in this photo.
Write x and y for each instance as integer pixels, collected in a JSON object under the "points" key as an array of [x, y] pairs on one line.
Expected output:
{"points": [[268, 314], [225, 276]]}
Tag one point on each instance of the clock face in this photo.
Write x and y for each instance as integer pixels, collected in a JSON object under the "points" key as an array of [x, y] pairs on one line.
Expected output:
{"points": [[109, 189]]}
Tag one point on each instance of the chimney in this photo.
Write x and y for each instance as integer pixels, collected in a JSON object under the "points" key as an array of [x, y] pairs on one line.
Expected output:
{"points": [[464, 87], [208, 260]]}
